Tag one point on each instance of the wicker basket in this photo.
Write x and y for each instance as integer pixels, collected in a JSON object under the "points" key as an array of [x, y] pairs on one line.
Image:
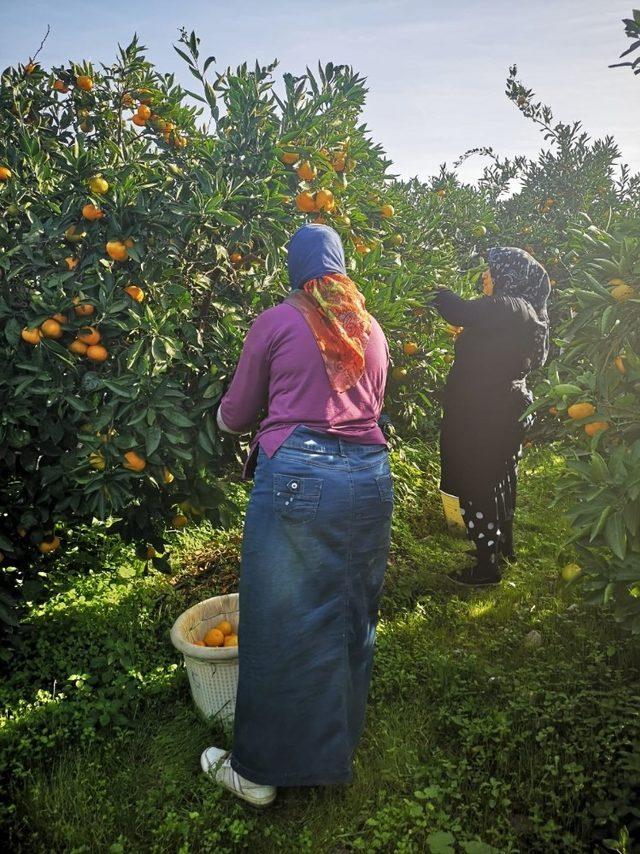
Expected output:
{"points": [[213, 671]]}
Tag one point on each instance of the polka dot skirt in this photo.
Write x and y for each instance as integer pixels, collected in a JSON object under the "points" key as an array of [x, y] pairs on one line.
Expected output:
{"points": [[483, 519]]}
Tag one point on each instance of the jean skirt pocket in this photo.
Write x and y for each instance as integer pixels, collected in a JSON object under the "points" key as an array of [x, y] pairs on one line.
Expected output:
{"points": [[385, 488], [296, 499]]}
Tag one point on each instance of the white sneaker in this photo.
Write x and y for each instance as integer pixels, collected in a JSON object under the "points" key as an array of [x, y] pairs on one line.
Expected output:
{"points": [[216, 764]]}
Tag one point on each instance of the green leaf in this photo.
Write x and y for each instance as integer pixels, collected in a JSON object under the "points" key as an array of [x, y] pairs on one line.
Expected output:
{"points": [[177, 418], [476, 847], [599, 467], [212, 390], [609, 593], [138, 418], [79, 405], [210, 94], [600, 523], [153, 437], [12, 331], [186, 58], [615, 535], [158, 351], [441, 842], [205, 443], [226, 218], [565, 390], [631, 514], [118, 389]]}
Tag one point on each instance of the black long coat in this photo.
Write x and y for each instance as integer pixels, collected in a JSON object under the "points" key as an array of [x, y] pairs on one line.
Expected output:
{"points": [[486, 393]]}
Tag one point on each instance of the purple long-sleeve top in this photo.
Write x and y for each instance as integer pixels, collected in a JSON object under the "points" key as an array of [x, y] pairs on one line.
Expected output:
{"points": [[281, 373]]}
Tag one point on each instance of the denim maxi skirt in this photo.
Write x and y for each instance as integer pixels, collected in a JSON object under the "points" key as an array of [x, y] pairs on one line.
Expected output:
{"points": [[315, 548]]}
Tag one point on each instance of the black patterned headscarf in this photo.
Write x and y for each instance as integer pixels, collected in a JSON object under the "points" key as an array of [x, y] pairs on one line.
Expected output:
{"points": [[515, 273]]}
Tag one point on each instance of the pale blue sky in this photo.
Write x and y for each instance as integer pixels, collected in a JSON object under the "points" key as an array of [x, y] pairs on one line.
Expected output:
{"points": [[436, 70]]}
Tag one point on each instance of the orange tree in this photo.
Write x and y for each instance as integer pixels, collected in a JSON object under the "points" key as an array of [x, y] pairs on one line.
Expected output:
{"points": [[137, 240], [536, 204], [593, 392], [421, 257], [575, 174], [632, 31], [451, 224], [592, 388]]}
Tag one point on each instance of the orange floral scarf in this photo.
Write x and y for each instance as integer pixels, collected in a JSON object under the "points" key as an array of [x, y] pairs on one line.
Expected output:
{"points": [[335, 311]]}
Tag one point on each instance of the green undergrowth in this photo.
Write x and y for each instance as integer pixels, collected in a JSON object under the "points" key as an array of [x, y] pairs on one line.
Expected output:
{"points": [[480, 736]]}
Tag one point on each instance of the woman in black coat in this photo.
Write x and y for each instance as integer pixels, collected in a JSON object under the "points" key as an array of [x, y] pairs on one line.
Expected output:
{"points": [[505, 336]]}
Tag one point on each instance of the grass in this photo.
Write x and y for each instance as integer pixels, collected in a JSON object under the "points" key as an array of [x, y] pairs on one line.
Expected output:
{"points": [[475, 741]]}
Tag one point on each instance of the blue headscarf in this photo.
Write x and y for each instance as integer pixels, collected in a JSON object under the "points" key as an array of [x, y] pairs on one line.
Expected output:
{"points": [[314, 250]]}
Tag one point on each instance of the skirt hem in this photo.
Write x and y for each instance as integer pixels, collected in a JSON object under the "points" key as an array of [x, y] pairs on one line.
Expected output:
{"points": [[282, 780]]}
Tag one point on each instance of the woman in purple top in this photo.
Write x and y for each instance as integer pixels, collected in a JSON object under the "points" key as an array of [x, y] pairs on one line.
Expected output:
{"points": [[316, 536]]}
